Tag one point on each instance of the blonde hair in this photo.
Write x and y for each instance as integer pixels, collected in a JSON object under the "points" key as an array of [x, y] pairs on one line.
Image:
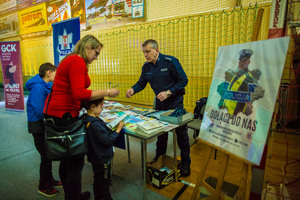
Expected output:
{"points": [[80, 47]]}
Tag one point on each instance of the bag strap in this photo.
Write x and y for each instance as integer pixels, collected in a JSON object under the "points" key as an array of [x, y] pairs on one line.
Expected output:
{"points": [[48, 100], [89, 123]]}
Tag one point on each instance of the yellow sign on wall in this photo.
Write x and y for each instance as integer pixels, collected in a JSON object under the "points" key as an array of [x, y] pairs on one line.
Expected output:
{"points": [[33, 19]]}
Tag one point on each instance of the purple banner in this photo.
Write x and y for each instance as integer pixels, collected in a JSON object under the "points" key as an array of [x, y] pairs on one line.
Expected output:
{"points": [[10, 57]]}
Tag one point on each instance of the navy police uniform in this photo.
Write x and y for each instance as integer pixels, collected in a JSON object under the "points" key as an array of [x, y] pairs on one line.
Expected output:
{"points": [[167, 74]]}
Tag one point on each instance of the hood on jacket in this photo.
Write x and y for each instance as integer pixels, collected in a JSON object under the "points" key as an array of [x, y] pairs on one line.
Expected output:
{"points": [[37, 79]]}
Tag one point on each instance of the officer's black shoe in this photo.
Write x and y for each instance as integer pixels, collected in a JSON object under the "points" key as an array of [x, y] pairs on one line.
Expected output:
{"points": [[85, 195], [154, 159], [185, 170]]}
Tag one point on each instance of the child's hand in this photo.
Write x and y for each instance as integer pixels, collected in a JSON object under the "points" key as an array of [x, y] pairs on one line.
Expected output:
{"points": [[120, 126]]}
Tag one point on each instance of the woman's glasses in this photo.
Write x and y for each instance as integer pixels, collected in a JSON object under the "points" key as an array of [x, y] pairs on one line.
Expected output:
{"points": [[97, 52]]}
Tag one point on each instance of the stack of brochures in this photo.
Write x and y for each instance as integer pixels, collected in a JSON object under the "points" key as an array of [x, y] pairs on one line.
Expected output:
{"points": [[130, 123], [149, 127]]}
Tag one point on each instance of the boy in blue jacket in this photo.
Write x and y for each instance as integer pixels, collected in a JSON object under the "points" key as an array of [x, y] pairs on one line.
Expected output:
{"points": [[39, 87], [100, 148]]}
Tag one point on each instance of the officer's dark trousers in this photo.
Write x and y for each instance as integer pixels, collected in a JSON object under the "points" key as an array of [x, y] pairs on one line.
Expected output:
{"points": [[46, 164], [102, 181], [183, 143]]}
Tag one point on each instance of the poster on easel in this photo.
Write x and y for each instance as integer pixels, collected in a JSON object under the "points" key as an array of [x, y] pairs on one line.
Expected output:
{"points": [[242, 97], [10, 57], [65, 36]]}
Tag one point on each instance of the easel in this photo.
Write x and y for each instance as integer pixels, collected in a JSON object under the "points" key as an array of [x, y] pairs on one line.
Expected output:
{"points": [[246, 174], [245, 182]]}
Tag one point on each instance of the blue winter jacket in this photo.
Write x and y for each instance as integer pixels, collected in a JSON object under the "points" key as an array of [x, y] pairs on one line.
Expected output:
{"points": [[39, 91]]}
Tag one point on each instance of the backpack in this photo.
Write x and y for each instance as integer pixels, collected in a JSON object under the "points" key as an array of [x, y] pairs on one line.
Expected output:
{"points": [[199, 108]]}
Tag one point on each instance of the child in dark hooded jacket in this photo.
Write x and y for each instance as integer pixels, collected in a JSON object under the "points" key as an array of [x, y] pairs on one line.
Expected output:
{"points": [[100, 148]]}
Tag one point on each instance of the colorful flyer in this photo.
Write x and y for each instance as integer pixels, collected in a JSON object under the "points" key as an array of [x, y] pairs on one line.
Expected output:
{"points": [[33, 19], [78, 10], [9, 25], [7, 6], [107, 11], [65, 36], [22, 4], [10, 57], [137, 8], [58, 11], [242, 97]]}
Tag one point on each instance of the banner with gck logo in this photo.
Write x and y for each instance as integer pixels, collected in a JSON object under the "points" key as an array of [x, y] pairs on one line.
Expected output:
{"points": [[65, 36], [12, 75]]}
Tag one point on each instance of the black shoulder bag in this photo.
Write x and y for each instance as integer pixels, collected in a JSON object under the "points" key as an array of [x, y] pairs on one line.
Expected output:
{"points": [[64, 141]]}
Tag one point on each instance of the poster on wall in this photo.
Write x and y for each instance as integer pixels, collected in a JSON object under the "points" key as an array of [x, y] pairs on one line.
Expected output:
{"points": [[7, 6], [22, 4], [65, 36], [108, 11], [78, 10], [9, 25], [33, 19], [137, 8], [242, 97], [57, 11], [277, 18], [10, 57]]}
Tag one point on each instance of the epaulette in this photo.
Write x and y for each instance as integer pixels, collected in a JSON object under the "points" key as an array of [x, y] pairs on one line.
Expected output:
{"points": [[168, 58], [145, 63]]}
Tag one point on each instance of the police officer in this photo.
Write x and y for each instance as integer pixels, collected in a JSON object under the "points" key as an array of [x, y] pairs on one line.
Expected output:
{"points": [[168, 80], [240, 82]]}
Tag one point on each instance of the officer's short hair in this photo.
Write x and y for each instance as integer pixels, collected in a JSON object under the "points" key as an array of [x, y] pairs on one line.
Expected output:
{"points": [[153, 43], [246, 53], [45, 67]]}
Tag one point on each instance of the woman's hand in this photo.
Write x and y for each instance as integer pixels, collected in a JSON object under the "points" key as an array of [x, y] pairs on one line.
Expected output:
{"points": [[113, 92]]}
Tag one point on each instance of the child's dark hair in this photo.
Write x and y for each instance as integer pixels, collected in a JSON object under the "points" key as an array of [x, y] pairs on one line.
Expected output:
{"points": [[45, 67], [88, 104]]}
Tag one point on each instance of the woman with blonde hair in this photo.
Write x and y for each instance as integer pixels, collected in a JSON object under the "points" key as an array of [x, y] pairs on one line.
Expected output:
{"points": [[69, 89]]}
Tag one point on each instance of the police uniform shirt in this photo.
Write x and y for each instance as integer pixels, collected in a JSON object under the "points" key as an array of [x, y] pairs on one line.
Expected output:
{"points": [[166, 74]]}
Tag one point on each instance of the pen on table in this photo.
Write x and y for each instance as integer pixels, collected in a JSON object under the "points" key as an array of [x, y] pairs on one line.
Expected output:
{"points": [[116, 85]]}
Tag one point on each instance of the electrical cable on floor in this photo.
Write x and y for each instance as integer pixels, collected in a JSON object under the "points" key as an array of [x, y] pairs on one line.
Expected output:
{"points": [[17, 154], [179, 193]]}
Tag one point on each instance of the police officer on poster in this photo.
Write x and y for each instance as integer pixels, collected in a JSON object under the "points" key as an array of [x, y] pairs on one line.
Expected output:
{"points": [[168, 81]]}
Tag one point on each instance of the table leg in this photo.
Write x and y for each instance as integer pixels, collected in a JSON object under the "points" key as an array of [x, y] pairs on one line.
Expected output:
{"points": [[128, 148], [144, 168], [175, 155]]}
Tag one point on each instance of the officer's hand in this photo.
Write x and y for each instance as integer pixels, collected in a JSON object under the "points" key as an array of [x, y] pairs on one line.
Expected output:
{"points": [[162, 96], [113, 92], [129, 93]]}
